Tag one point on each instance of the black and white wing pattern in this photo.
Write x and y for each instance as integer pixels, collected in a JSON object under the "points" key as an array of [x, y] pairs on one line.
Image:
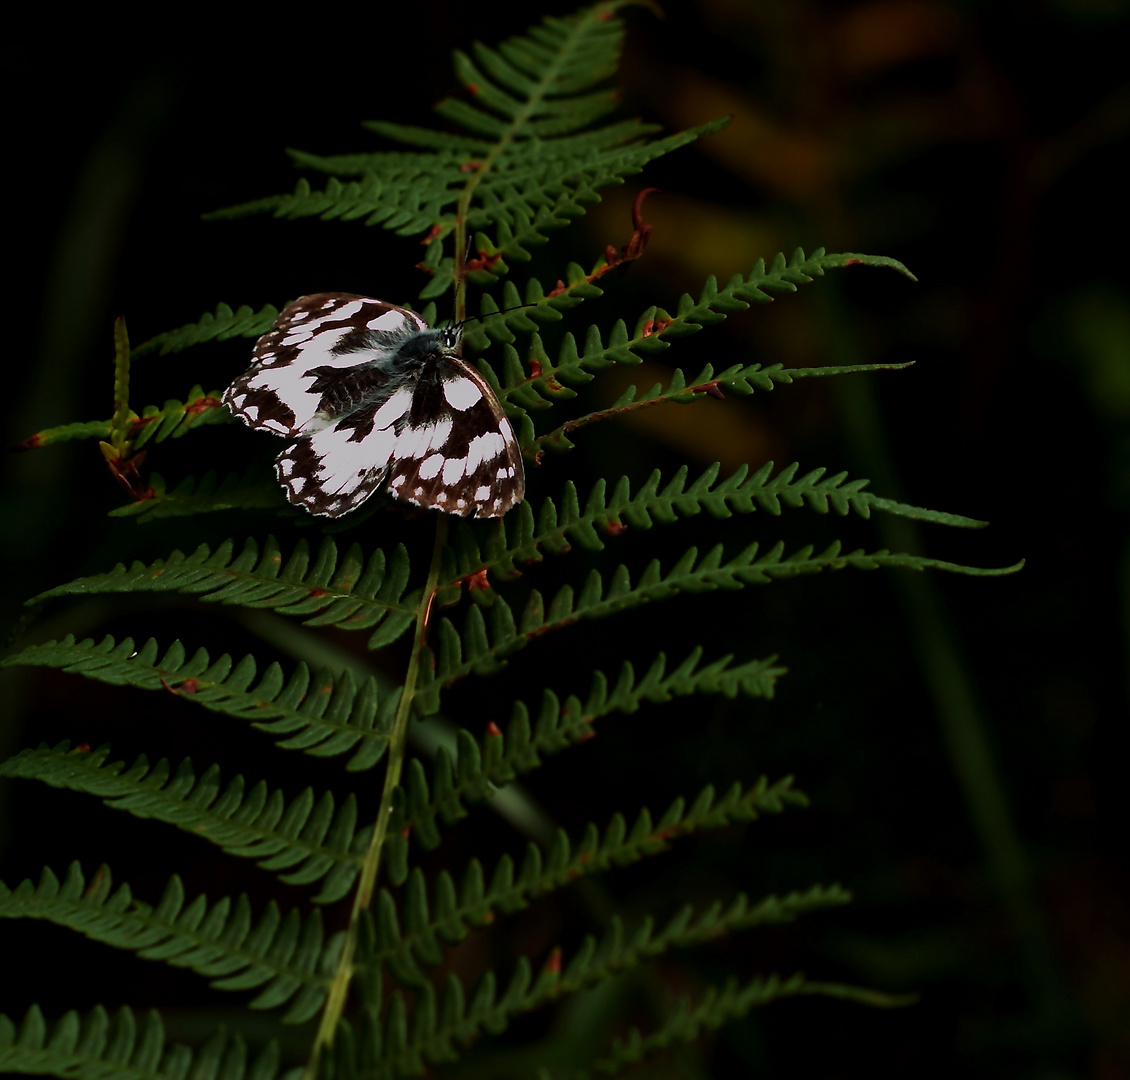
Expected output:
{"points": [[369, 394]]}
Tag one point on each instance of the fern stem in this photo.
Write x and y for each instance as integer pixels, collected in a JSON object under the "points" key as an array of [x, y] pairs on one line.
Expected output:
{"points": [[398, 738]]}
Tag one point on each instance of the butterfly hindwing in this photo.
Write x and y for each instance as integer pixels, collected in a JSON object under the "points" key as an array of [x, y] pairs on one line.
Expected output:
{"points": [[457, 453], [369, 393]]}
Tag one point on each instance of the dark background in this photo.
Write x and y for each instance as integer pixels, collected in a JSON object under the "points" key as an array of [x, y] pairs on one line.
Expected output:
{"points": [[958, 737]]}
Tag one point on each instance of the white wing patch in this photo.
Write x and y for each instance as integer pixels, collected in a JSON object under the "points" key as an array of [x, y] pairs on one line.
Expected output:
{"points": [[461, 394]]}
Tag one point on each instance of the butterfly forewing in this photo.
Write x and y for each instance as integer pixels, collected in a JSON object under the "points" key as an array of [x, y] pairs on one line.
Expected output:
{"points": [[327, 331], [369, 393]]}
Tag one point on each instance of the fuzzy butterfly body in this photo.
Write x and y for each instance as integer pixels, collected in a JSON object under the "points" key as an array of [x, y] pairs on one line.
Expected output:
{"points": [[369, 394]]}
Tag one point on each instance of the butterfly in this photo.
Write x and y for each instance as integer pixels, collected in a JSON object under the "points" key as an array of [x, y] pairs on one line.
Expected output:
{"points": [[369, 394]]}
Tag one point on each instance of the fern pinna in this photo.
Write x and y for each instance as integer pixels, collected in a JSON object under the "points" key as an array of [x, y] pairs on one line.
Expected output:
{"points": [[374, 975]]}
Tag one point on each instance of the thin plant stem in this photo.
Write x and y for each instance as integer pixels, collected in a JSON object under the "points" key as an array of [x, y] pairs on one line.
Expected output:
{"points": [[398, 738]]}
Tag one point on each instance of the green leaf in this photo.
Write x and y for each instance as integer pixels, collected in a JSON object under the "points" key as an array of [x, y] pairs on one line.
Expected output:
{"points": [[444, 1020], [478, 769], [656, 329], [320, 714], [308, 837], [257, 489], [524, 163], [155, 424], [355, 594], [224, 324], [221, 941], [96, 1047], [485, 641], [524, 537], [410, 941]]}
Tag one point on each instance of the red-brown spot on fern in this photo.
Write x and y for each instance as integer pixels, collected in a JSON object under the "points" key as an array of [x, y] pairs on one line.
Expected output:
{"points": [[853, 262], [553, 964], [202, 404], [557, 290], [615, 528], [319, 593], [433, 232], [478, 580], [32, 442], [482, 261], [493, 730], [655, 326], [82, 748], [189, 686], [470, 166]]}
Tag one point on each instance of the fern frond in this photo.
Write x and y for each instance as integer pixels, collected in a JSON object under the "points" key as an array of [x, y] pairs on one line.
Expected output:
{"points": [[719, 1006], [256, 489], [657, 328], [353, 594], [482, 646], [320, 714], [437, 1024], [221, 941], [96, 1047], [155, 424], [416, 938], [525, 169], [522, 537], [310, 834], [224, 324], [678, 390], [477, 770], [520, 312]]}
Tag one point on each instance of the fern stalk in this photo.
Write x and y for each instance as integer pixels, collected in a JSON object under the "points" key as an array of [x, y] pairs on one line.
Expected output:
{"points": [[398, 739]]}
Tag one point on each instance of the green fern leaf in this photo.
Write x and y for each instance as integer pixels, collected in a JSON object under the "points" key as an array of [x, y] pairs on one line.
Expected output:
{"points": [[435, 1027], [683, 391], [309, 838], [477, 770], [221, 941], [717, 1007], [522, 537], [352, 595], [257, 489], [320, 714], [527, 166], [96, 1047], [224, 324], [482, 647], [155, 424], [453, 912], [657, 328]]}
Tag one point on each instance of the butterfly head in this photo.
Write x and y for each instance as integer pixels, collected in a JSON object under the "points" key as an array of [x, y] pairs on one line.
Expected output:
{"points": [[419, 348]]}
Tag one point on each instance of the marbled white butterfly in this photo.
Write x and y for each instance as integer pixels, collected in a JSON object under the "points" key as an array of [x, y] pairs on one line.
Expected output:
{"points": [[368, 393]]}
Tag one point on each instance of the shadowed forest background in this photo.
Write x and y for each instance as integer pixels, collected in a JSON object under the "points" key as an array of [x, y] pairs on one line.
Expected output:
{"points": [[958, 737]]}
